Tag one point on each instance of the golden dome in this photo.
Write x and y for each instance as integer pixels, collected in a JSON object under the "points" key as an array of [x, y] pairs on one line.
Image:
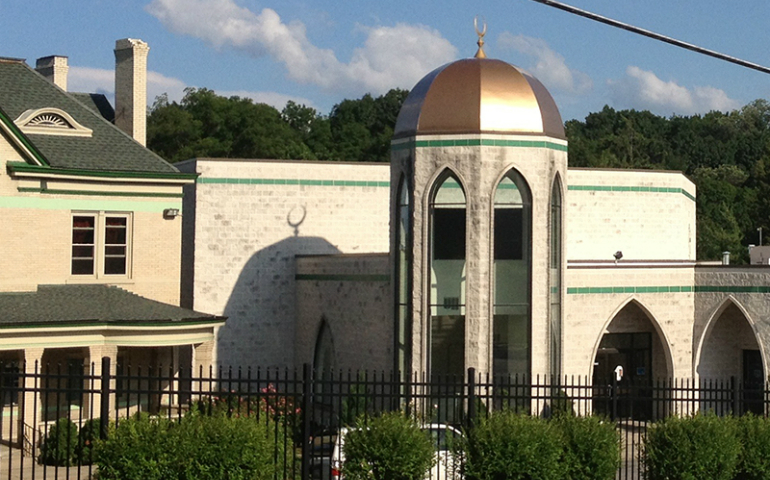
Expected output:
{"points": [[479, 95]]}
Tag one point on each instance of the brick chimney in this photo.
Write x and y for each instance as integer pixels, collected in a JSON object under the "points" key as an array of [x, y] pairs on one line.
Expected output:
{"points": [[54, 69], [131, 87]]}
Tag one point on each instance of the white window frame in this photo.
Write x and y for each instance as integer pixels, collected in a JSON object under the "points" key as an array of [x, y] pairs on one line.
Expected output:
{"points": [[99, 245]]}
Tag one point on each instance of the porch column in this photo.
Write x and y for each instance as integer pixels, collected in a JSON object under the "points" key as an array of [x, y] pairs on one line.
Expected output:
{"points": [[203, 365], [30, 400], [92, 402]]}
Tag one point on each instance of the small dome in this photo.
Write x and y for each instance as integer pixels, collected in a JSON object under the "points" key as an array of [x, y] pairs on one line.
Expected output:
{"points": [[479, 95]]}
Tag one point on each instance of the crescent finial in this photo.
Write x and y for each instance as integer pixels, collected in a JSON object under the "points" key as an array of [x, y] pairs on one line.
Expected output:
{"points": [[483, 31]]}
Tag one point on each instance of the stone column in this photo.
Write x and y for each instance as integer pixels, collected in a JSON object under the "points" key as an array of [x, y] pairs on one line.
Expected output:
{"points": [[93, 399], [30, 400], [203, 364]]}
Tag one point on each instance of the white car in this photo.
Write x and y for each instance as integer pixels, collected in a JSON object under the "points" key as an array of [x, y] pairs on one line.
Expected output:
{"points": [[445, 467]]}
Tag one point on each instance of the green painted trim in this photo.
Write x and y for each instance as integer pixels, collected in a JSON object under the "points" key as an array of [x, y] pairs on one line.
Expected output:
{"points": [[293, 181], [50, 191], [671, 289], [732, 289], [342, 277], [43, 203], [121, 324], [621, 188], [26, 168], [613, 290], [22, 138], [478, 142]]}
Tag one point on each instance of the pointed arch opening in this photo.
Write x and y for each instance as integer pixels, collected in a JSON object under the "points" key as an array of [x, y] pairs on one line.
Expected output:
{"points": [[403, 279], [631, 357], [555, 280], [447, 271], [731, 357], [512, 264]]}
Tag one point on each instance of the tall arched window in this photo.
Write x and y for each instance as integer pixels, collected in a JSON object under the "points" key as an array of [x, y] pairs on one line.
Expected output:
{"points": [[447, 268], [512, 267], [554, 313], [403, 288]]}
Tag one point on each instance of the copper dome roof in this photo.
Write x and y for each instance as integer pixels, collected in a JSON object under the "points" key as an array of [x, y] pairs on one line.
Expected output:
{"points": [[479, 95]]}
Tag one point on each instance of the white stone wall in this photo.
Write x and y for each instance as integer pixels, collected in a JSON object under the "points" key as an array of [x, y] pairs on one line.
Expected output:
{"points": [[351, 293], [718, 288], [245, 242], [648, 215], [595, 297]]}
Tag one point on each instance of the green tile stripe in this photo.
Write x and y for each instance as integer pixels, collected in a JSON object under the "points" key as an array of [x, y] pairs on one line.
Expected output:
{"points": [[341, 277], [294, 181], [100, 194], [99, 204], [621, 188], [610, 290], [732, 289], [672, 289], [478, 142]]}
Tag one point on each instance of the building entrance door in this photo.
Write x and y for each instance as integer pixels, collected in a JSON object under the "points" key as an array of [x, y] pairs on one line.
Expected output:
{"points": [[753, 382], [633, 396]]}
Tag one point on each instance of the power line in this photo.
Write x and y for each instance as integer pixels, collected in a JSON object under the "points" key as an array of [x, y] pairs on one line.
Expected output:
{"points": [[653, 35]]}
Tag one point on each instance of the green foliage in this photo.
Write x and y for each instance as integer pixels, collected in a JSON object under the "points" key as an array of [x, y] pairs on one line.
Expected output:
{"points": [[591, 447], [204, 124], [726, 155], [754, 434], [513, 446], [388, 447], [88, 435], [197, 447], [60, 445], [702, 447], [356, 403]]}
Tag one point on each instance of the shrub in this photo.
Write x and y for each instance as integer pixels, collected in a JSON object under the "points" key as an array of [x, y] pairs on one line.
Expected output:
{"points": [[513, 446], [388, 447], [591, 447], [197, 446], [89, 433], [59, 446], [138, 447], [754, 433], [702, 447]]}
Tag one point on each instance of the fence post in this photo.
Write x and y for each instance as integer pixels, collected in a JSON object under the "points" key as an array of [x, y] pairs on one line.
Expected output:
{"points": [[307, 402], [471, 397], [614, 394], [736, 396], [104, 407]]}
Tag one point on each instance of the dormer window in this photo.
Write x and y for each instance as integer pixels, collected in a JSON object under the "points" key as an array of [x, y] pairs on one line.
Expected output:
{"points": [[51, 121]]}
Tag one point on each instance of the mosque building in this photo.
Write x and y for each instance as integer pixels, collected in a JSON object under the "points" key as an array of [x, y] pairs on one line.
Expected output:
{"points": [[476, 247]]}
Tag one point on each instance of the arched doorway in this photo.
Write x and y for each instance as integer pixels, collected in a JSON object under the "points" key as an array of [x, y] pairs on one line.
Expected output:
{"points": [[731, 360], [632, 346]]}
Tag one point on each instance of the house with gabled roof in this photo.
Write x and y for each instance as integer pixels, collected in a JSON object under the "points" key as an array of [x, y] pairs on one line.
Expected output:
{"points": [[90, 235]]}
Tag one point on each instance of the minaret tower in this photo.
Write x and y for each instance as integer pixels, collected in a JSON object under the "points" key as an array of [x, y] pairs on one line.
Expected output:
{"points": [[478, 168]]}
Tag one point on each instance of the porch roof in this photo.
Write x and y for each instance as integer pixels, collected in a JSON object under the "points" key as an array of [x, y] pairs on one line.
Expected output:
{"points": [[68, 305]]}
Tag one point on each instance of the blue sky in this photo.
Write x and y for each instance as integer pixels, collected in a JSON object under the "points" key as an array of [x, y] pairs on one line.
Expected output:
{"points": [[319, 52]]}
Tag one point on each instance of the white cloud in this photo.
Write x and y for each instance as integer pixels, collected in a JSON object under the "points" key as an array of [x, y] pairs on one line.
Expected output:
{"points": [[395, 56], [550, 67], [643, 89], [99, 80]]}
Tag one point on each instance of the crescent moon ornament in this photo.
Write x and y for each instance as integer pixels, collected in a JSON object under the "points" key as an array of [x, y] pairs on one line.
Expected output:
{"points": [[295, 224], [483, 31]]}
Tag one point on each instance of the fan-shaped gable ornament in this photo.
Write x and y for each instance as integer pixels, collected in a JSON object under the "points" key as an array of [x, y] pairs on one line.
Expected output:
{"points": [[51, 121]]}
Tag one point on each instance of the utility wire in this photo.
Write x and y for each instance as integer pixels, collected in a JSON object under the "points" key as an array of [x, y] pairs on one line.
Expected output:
{"points": [[653, 35]]}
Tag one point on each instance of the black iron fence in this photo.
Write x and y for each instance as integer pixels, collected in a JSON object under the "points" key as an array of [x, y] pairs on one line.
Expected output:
{"points": [[313, 408]]}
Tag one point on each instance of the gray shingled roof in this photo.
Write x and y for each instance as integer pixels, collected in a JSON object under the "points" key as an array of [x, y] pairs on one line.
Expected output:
{"points": [[59, 305], [22, 89], [96, 102]]}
